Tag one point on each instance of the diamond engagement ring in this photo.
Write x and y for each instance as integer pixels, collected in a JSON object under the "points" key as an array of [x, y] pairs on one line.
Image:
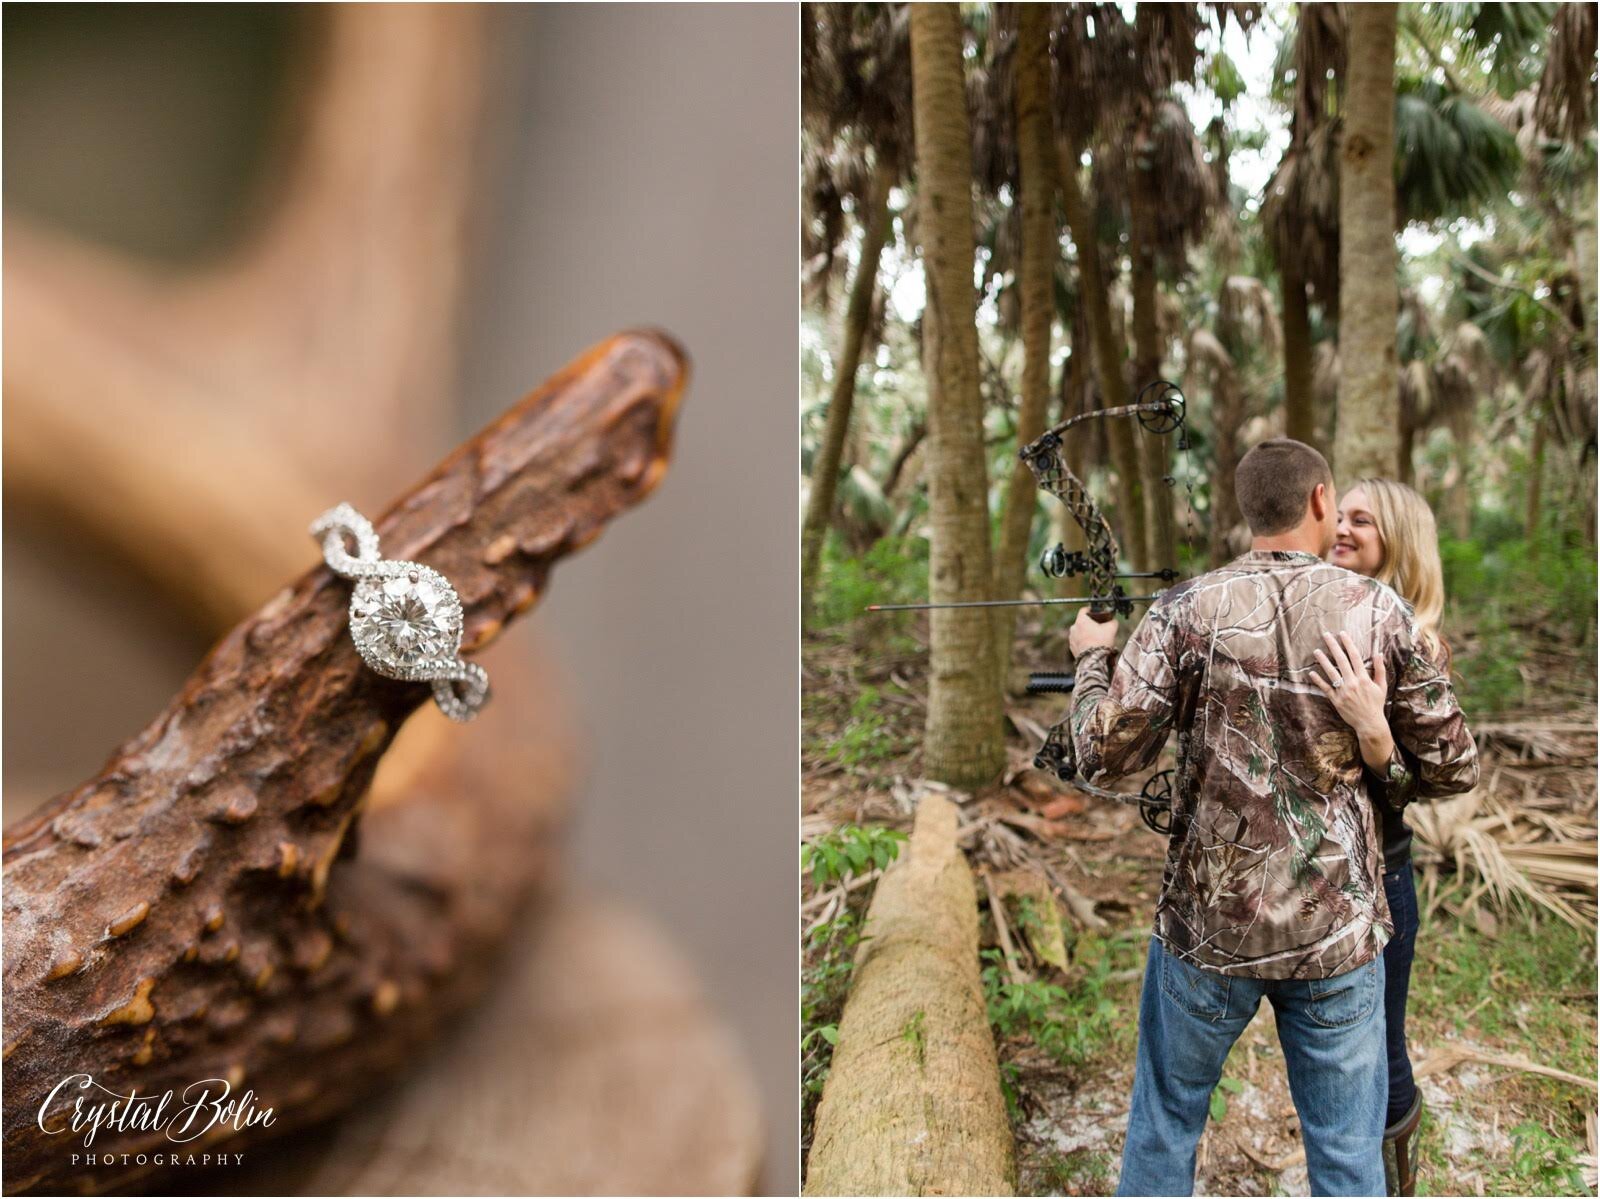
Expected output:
{"points": [[405, 618]]}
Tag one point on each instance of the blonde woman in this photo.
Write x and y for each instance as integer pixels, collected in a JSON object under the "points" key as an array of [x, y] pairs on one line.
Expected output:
{"points": [[1386, 531]]}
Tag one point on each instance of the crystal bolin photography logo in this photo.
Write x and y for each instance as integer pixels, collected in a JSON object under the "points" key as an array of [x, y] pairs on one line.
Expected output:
{"points": [[203, 1106]]}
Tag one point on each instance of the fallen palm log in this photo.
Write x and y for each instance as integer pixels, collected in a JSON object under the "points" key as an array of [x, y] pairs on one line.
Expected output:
{"points": [[199, 910], [912, 1104]]}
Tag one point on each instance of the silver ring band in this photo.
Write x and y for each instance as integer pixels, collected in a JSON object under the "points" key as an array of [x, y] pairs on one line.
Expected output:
{"points": [[405, 618]]}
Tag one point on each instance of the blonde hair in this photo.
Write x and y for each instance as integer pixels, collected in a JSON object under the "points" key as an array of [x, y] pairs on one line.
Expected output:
{"points": [[1410, 561]]}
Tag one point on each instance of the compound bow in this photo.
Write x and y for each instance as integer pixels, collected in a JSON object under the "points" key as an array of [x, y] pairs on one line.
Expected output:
{"points": [[1159, 407]]}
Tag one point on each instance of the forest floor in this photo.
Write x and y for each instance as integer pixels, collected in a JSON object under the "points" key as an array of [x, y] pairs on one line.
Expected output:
{"points": [[1487, 989]]}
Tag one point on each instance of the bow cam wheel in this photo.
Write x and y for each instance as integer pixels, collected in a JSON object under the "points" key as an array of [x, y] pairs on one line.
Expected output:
{"points": [[1169, 402], [1155, 803]]}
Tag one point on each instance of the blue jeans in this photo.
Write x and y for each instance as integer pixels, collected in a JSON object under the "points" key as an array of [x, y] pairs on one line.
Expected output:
{"points": [[1401, 888], [1331, 1030]]}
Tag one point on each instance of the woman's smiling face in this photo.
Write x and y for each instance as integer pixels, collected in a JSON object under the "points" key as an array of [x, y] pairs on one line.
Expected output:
{"points": [[1356, 544]]}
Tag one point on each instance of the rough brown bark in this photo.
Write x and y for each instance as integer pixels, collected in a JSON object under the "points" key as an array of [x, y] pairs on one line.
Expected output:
{"points": [[200, 909], [963, 743], [1406, 422], [1228, 415], [1366, 440], [1036, 168], [601, 1025], [1299, 410], [825, 471], [1533, 510], [1156, 500], [1074, 380], [1458, 500], [912, 1105], [1107, 354]]}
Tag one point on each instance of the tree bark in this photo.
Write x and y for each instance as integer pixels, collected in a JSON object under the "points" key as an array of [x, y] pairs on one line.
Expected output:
{"points": [[1586, 267], [963, 743], [1534, 511], [1036, 164], [912, 1105], [1298, 401], [1107, 355], [1366, 441], [1458, 503], [1074, 378], [625, 1083], [199, 910], [1228, 413], [1406, 424], [825, 472], [1156, 499]]}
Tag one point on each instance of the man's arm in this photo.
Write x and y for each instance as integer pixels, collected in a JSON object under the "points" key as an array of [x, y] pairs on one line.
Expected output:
{"points": [[1121, 717]]}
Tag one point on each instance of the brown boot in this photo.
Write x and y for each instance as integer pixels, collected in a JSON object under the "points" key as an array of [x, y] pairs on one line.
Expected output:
{"points": [[1399, 1165]]}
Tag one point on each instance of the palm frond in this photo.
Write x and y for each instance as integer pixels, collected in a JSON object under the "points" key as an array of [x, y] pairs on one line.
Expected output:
{"points": [[1451, 156]]}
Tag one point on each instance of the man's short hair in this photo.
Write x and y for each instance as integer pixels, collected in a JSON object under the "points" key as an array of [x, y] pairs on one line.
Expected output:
{"points": [[1273, 484]]}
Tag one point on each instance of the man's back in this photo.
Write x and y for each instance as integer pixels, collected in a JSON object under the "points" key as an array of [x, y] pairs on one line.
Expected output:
{"points": [[1273, 866]]}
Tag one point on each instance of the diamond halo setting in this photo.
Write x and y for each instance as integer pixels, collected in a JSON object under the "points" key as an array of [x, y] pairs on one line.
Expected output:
{"points": [[405, 618], [406, 625]]}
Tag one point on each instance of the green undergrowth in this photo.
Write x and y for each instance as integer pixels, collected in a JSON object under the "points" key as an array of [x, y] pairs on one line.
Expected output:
{"points": [[1508, 597], [829, 951], [1525, 992], [1077, 1172], [868, 738], [1076, 1017], [893, 571]]}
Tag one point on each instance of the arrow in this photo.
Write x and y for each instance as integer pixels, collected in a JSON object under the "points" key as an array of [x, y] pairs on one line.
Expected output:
{"points": [[1102, 599]]}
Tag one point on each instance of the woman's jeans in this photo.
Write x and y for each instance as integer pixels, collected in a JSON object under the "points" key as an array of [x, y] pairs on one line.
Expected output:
{"points": [[1331, 1030], [1401, 888]]}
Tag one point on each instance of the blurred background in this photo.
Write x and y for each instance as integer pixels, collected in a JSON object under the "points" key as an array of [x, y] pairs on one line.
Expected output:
{"points": [[403, 223]]}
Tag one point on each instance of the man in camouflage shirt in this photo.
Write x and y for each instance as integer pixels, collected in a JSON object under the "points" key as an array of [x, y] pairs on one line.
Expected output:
{"points": [[1272, 882]]}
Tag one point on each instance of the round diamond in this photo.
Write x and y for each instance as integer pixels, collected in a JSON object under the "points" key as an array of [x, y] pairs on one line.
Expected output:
{"points": [[400, 624]]}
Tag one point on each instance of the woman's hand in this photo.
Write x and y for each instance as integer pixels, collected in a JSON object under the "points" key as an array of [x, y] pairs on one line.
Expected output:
{"points": [[1357, 696]]}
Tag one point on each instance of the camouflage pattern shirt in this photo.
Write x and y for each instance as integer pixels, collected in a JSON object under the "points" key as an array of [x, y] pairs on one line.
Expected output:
{"points": [[1273, 866]]}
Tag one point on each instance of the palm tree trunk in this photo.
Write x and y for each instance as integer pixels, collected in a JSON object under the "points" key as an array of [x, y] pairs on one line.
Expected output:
{"points": [[1157, 500], [962, 742], [1406, 429], [1535, 499], [1107, 355], [1458, 504], [1228, 413], [1037, 287], [825, 472], [1063, 527], [1298, 404], [1366, 441]]}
